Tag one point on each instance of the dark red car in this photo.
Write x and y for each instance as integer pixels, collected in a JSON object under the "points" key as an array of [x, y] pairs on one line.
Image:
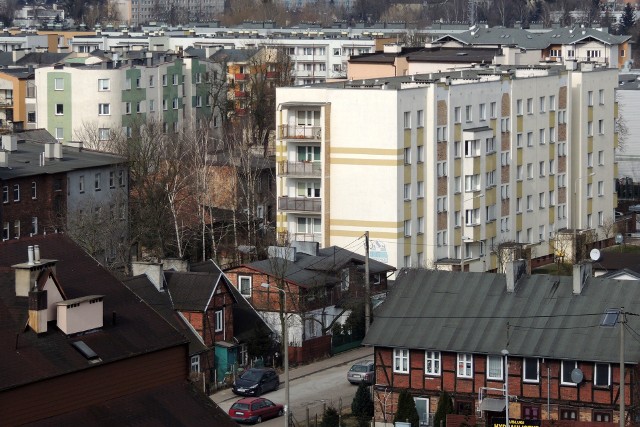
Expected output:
{"points": [[255, 410]]}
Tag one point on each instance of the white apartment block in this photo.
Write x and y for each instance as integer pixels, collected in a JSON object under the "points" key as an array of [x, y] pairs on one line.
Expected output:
{"points": [[442, 168]]}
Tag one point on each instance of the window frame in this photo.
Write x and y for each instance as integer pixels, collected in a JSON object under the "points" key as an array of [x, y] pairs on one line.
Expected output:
{"points": [[495, 377], [401, 360], [464, 366], [57, 80], [596, 376], [219, 321], [525, 362], [240, 288], [432, 363]]}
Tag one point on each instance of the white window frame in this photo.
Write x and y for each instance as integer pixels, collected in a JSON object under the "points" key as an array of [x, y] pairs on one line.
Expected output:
{"points": [[432, 363], [104, 109], [525, 361], [401, 360], [58, 83], [574, 365], [464, 367], [240, 289], [195, 363], [500, 376], [219, 321], [104, 85], [596, 383]]}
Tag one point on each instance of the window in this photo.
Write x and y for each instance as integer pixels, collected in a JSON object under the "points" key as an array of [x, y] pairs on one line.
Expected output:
{"points": [[472, 147], [165, 105], [138, 82], [441, 168], [602, 416], [519, 172], [568, 414], [5, 194], [96, 181], [407, 228], [441, 204], [602, 375], [529, 170], [530, 370], [31, 116], [34, 192], [441, 133], [552, 103], [407, 156], [127, 108], [529, 203], [562, 116], [34, 225], [505, 124], [600, 188], [541, 203], [441, 238], [457, 115], [472, 216], [465, 365], [483, 112], [5, 231], [121, 178], [457, 184], [16, 192], [127, 83], [407, 191], [600, 218], [219, 323], [541, 168], [471, 183], [420, 192], [468, 113], [552, 167], [529, 105], [457, 149], [81, 184], [151, 81], [542, 104], [590, 98], [152, 105], [58, 84], [518, 204], [494, 367], [175, 103], [103, 134], [420, 118], [493, 110], [401, 360], [504, 191], [175, 79], [531, 412], [601, 157], [505, 158], [420, 154], [112, 179], [164, 80], [104, 109], [244, 283], [589, 190], [519, 140], [490, 179], [590, 128], [16, 228], [490, 145], [407, 119], [195, 363], [59, 109], [138, 107], [552, 135], [103, 85], [601, 127], [529, 139], [519, 107], [541, 137], [421, 225], [432, 363], [601, 96]]}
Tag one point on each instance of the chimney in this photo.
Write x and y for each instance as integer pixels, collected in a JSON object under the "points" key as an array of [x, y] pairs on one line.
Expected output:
{"points": [[53, 150], [38, 310], [10, 142], [581, 273], [152, 270], [514, 270], [27, 272], [175, 264]]}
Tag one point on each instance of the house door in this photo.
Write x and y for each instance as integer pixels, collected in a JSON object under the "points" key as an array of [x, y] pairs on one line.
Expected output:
{"points": [[422, 405]]}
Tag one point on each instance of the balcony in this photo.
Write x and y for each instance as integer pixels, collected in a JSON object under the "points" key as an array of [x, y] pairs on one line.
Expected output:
{"points": [[303, 169], [6, 102], [300, 132], [300, 204], [240, 77], [272, 74], [240, 94]]}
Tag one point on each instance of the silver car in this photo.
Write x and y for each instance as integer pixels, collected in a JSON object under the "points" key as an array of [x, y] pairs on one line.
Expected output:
{"points": [[363, 371]]}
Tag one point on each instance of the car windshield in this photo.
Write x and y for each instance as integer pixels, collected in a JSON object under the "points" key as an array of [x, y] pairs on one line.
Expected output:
{"points": [[359, 368], [251, 375], [240, 406]]}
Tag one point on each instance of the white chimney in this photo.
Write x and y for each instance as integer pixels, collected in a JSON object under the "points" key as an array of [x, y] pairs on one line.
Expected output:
{"points": [[36, 254], [152, 270], [80, 314], [30, 254], [581, 273], [10, 142], [514, 270], [53, 150], [4, 158]]}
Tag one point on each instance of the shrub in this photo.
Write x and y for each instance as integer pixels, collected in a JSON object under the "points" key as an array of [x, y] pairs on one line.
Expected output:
{"points": [[362, 405], [407, 411]]}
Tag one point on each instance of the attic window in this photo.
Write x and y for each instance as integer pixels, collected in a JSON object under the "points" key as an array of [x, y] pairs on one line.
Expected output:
{"points": [[86, 351]]}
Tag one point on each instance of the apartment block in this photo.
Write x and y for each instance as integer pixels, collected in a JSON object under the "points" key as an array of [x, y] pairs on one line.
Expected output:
{"points": [[89, 102], [443, 168]]}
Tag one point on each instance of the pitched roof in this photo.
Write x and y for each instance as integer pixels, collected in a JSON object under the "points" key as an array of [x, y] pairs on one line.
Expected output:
{"points": [[141, 331], [618, 261], [41, 58], [25, 160], [191, 291], [474, 313], [234, 55], [173, 405], [293, 273], [161, 303]]}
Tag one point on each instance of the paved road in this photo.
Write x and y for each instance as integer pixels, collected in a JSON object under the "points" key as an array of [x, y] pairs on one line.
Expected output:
{"points": [[310, 386]]}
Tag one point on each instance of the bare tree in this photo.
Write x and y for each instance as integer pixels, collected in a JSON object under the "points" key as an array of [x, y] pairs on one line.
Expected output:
{"points": [[609, 227]]}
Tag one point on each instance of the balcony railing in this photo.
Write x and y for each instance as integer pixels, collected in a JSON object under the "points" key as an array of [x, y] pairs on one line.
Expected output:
{"points": [[240, 94], [240, 77], [299, 168], [301, 204], [300, 132], [6, 102]]}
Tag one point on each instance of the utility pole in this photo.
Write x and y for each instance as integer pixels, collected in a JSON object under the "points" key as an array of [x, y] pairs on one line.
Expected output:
{"points": [[367, 288], [623, 320]]}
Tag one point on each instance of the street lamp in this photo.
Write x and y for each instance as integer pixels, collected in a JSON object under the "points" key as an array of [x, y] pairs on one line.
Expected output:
{"points": [[463, 246], [505, 353], [573, 216], [285, 340]]}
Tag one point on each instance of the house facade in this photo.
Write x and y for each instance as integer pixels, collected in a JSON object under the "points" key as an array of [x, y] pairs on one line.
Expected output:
{"points": [[547, 336], [463, 160]]}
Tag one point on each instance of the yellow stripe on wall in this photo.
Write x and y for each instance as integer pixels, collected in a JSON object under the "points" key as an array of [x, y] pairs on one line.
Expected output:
{"points": [[361, 223], [369, 151], [366, 162]]}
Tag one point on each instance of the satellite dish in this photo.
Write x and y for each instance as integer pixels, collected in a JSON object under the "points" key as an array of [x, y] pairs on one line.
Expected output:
{"points": [[594, 254], [577, 376], [619, 239]]}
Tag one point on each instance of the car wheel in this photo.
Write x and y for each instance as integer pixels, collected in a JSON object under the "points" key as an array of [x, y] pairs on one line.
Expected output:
{"points": [[281, 412], [277, 386], [259, 391], [258, 420]]}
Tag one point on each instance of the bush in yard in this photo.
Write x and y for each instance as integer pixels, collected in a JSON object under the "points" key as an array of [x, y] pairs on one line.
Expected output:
{"points": [[407, 411], [445, 406], [362, 405], [330, 418]]}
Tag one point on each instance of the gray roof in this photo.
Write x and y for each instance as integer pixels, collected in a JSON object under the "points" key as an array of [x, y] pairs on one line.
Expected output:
{"points": [[25, 160], [41, 58], [191, 291], [474, 313], [234, 55], [293, 273], [501, 36]]}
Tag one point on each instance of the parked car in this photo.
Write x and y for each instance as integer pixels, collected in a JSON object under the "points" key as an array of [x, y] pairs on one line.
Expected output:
{"points": [[255, 410], [255, 381], [362, 372], [634, 208]]}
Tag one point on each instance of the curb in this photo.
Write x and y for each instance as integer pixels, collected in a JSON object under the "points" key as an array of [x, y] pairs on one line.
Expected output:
{"points": [[351, 358]]}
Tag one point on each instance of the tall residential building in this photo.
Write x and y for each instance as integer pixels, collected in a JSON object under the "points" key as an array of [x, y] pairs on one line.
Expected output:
{"points": [[443, 168], [89, 101]]}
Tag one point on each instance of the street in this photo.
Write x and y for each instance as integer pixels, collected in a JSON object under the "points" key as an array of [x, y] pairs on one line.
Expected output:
{"points": [[311, 391]]}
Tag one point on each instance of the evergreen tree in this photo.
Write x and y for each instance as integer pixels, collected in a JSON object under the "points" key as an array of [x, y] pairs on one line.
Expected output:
{"points": [[627, 20], [407, 411], [330, 418], [445, 406], [362, 405]]}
